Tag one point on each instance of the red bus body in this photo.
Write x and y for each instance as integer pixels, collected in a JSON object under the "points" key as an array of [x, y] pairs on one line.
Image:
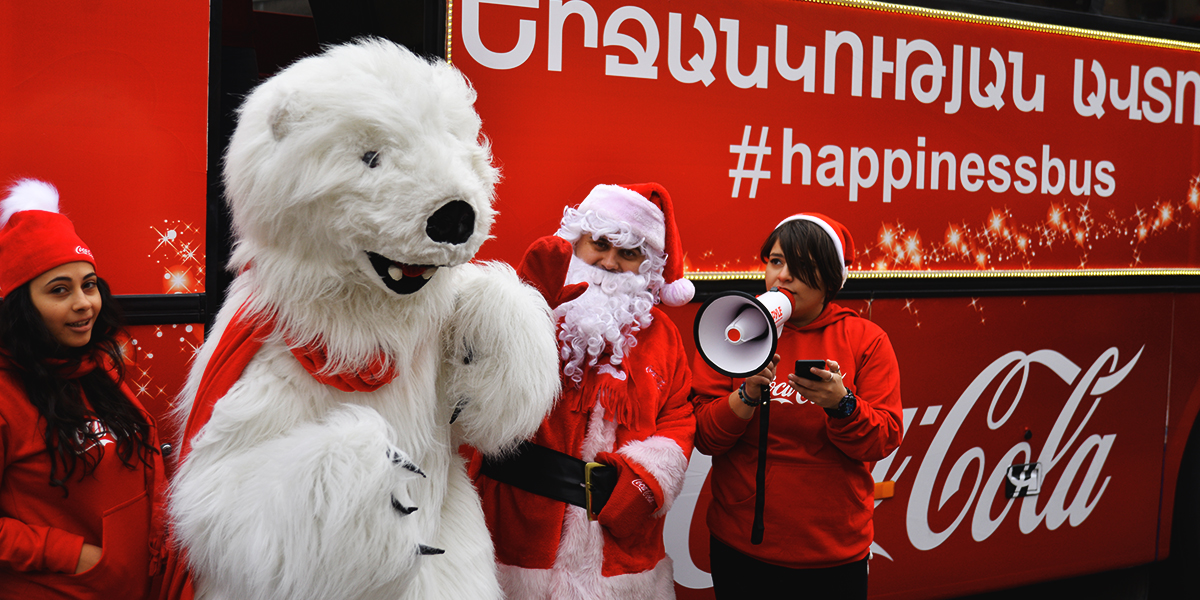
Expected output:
{"points": [[907, 125]]}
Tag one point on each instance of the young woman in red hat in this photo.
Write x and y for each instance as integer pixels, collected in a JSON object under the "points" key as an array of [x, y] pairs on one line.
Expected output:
{"points": [[81, 469], [823, 433]]}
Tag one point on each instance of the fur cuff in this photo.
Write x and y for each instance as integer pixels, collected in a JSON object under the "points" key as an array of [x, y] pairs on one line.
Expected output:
{"points": [[663, 460], [632, 502]]}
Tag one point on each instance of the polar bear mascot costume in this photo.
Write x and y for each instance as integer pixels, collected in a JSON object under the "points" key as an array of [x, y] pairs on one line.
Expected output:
{"points": [[358, 347]]}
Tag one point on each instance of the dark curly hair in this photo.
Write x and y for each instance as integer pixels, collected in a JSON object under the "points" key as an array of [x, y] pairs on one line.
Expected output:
{"points": [[28, 343], [810, 254]]}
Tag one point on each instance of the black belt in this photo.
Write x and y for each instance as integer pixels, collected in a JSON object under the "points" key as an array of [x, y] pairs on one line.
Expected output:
{"points": [[550, 473]]}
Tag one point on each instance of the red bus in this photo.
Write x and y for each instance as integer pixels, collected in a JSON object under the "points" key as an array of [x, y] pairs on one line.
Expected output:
{"points": [[1021, 183]]}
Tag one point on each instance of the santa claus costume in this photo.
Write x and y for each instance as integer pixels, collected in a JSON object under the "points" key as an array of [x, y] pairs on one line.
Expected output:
{"points": [[623, 425]]}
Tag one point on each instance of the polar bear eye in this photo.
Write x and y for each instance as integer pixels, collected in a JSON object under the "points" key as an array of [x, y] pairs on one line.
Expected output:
{"points": [[371, 159]]}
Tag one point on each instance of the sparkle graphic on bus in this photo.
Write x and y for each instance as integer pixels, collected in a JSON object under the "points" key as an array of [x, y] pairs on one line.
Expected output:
{"points": [[1003, 242]]}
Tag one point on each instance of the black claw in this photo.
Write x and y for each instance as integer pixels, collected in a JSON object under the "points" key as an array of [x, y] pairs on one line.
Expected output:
{"points": [[458, 408], [428, 550], [402, 509], [398, 459], [408, 466]]}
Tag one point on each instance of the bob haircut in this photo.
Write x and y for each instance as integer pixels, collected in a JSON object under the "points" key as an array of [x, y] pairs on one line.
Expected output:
{"points": [[810, 255]]}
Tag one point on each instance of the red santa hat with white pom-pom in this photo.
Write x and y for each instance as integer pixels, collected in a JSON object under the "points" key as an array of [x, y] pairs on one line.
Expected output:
{"points": [[648, 210], [836, 231], [34, 237]]}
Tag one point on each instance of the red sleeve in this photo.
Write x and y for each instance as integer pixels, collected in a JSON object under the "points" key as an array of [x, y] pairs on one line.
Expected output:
{"points": [[875, 428], [33, 547], [653, 469], [675, 419], [718, 428]]}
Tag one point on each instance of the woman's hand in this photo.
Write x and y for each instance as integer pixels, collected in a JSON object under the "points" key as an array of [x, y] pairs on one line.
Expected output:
{"points": [[88, 557], [754, 389], [827, 392]]}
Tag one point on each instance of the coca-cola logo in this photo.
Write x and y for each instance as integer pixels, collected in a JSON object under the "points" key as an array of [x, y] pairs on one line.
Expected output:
{"points": [[1069, 454], [82, 250], [1069, 461]]}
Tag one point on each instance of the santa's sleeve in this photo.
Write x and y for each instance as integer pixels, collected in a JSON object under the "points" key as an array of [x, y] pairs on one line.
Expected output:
{"points": [[25, 547], [875, 428], [653, 469]]}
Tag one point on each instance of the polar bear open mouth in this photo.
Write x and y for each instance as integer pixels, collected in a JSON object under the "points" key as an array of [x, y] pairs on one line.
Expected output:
{"points": [[400, 277]]}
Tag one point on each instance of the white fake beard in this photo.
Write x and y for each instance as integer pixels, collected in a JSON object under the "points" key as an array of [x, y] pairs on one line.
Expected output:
{"points": [[614, 307]]}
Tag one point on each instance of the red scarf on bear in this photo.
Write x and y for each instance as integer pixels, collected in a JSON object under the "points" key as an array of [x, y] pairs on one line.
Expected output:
{"points": [[240, 342]]}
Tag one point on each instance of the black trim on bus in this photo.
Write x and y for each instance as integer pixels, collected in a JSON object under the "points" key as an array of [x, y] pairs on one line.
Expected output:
{"points": [[162, 309], [168, 309], [1091, 19], [217, 239], [949, 287]]}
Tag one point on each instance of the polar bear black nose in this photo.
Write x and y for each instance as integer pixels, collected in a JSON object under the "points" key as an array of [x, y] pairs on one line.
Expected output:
{"points": [[453, 223]]}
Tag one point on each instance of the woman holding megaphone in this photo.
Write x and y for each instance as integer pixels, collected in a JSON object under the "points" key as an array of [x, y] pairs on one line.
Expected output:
{"points": [[814, 529]]}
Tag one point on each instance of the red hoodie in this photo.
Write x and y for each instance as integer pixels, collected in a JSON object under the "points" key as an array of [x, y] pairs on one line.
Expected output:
{"points": [[42, 533], [820, 495]]}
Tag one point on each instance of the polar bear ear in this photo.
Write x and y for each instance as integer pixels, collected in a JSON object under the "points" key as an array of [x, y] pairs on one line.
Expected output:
{"points": [[284, 116]]}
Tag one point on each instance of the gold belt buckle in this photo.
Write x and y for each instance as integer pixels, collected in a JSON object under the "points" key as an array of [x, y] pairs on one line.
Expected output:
{"points": [[587, 487]]}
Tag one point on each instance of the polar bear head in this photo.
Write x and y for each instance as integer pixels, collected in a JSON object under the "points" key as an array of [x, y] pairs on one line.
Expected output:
{"points": [[354, 177]]}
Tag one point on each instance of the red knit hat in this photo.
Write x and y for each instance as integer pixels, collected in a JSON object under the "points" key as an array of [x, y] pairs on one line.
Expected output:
{"points": [[34, 237], [648, 210], [837, 231]]}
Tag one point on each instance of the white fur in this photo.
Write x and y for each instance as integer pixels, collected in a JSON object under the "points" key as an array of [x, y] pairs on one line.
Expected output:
{"points": [[288, 490], [28, 194], [664, 459], [540, 584]]}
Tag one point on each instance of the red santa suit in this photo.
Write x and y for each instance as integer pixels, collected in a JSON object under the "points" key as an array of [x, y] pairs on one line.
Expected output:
{"points": [[42, 531], [635, 416], [820, 495]]}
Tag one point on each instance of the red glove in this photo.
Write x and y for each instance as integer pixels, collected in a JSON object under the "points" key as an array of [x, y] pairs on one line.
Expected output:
{"points": [[632, 502], [545, 265]]}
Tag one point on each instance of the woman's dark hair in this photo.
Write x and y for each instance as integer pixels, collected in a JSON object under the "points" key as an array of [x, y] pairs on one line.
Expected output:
{"points": [[810, 254], [59, 400]]}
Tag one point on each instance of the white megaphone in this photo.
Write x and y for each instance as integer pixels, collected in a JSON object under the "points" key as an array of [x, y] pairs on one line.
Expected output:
{"points": [[736, 333]]}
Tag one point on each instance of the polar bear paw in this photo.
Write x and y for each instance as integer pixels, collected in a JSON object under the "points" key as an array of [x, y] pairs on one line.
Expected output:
{"points": [[405, 507]]}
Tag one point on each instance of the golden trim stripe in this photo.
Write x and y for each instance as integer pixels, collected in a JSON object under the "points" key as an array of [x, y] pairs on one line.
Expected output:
{"points": [[449, 29], [1046, 273]]}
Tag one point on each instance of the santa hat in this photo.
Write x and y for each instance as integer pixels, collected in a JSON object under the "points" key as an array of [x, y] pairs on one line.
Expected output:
{"points": [[647, 209], [34, 237], [836, 231]]}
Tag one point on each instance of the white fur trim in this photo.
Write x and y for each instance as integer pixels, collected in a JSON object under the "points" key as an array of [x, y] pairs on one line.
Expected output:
{"points": [[540, 584], [837, 241], [664, 459], [28, 194], [677, 293], [623, 204]]}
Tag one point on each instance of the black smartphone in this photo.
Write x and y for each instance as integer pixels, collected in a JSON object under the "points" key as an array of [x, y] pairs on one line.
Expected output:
{"points": [[803, 366]]}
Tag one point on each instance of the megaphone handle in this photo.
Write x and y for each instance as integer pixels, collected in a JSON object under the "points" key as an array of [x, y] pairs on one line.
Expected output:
{"points": [[760, 478]]}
